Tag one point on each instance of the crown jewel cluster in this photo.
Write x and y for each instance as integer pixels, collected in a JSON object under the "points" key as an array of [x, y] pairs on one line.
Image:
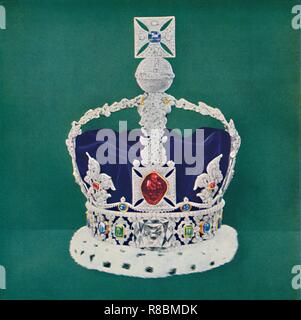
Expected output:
{"points": [[154, 218]]}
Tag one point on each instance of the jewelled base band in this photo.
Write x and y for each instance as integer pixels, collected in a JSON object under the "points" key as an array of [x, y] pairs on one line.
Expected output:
{"points": [[90, 253], [154, 230]]}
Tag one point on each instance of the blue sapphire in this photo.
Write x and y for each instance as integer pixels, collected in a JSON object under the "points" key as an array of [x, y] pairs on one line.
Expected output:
{"points": [[206, 227], [122, 207], [219, 223], [102, 228], [154, 36], [88, 223], [186, 207]]}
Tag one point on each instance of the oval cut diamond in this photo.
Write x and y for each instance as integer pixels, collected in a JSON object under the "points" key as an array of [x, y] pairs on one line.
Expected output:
{"points": [[153, 188]]}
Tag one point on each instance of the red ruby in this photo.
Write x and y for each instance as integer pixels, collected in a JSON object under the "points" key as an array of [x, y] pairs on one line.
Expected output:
{"points": [[153, 188], [96, 185], [211, 185]]}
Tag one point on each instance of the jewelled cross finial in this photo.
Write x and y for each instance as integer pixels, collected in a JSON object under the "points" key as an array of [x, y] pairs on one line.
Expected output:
{"points": [[154, 37]]}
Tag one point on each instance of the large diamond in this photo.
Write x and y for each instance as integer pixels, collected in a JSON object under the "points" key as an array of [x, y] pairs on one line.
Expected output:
{"points": [[153, 188]]}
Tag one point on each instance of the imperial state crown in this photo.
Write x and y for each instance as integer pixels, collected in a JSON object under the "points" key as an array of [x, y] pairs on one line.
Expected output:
{"points": [[149, 214]]}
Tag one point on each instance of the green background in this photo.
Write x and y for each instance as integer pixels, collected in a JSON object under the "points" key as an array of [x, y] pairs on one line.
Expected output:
{"points": [[59, 58]]}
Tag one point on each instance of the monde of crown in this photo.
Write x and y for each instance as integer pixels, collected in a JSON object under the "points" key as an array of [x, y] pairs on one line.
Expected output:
{"points": [[169, 223]]}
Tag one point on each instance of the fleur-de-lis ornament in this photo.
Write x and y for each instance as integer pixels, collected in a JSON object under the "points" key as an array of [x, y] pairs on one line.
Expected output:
{"points": [[98, 182], [209, 181]]}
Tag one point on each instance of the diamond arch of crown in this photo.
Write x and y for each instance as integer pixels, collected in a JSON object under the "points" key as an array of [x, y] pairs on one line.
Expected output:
{"points": [[201, 108]]}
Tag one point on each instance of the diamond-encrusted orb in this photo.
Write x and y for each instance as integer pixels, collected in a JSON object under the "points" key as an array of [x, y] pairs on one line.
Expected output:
{"points": [[154, 75], [154, 36], [186, 207], [122, 207], [119, 231], [153, 188], [188, 231]]}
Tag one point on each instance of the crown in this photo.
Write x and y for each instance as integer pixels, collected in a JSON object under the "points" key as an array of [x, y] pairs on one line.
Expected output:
{"points": [[151, 215]]}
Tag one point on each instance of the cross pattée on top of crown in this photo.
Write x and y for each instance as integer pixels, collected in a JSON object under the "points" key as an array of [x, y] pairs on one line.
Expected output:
{"points": [[154, 37]]}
